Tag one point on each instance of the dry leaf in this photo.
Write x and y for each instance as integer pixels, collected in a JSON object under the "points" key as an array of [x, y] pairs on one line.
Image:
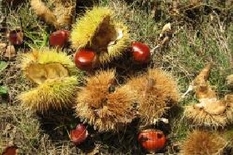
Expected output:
{"points": [[10, 52], [203, 75], [2, 48], [166, 28], [200, 85], [229, 80], [165, 36], [209, 111], [165, 41]]}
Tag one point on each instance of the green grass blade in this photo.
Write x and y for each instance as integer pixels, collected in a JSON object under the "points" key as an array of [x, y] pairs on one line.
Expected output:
{"points": [[3, 90], [3, 65]]}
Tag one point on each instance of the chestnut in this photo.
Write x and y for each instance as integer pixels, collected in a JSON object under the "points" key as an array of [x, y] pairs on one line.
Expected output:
{"points": [[85, 59], [140, 52], [152, 140], [59, 38], [79, 134]]}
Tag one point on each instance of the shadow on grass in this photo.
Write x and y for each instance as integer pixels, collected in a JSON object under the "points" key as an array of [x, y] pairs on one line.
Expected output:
{"points": [[57, 124], [120, 142]]}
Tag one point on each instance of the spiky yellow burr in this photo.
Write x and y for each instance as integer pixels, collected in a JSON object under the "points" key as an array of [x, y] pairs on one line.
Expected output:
{"points": [[203, 143], [52, 94], [64, 11], [99, 31], [105, 104], [55, 75], [156, 92], [39, 65]]}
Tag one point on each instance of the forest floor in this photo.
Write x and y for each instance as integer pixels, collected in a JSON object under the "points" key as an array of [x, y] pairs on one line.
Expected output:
{"points": [[201, 33]]}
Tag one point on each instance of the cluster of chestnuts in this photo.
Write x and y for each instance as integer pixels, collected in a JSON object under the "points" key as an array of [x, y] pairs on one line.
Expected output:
{"points": [[101, 102], [97, 39], [85, 58], [152, 140]]}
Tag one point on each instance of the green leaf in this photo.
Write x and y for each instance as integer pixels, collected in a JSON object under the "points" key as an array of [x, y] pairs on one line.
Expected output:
{"points": [[3, 90], [3, 65]]}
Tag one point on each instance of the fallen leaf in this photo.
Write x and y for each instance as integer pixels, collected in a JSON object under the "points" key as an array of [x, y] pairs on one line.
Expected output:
{"points": [[2, 48], [10, 52], [166, 28], [229, 80], [210, 110], [165, 36], [200, 85]]}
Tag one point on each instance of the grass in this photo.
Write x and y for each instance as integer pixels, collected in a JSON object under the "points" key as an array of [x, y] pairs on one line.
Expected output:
{"points": [[207, 38], [3, 89]]}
